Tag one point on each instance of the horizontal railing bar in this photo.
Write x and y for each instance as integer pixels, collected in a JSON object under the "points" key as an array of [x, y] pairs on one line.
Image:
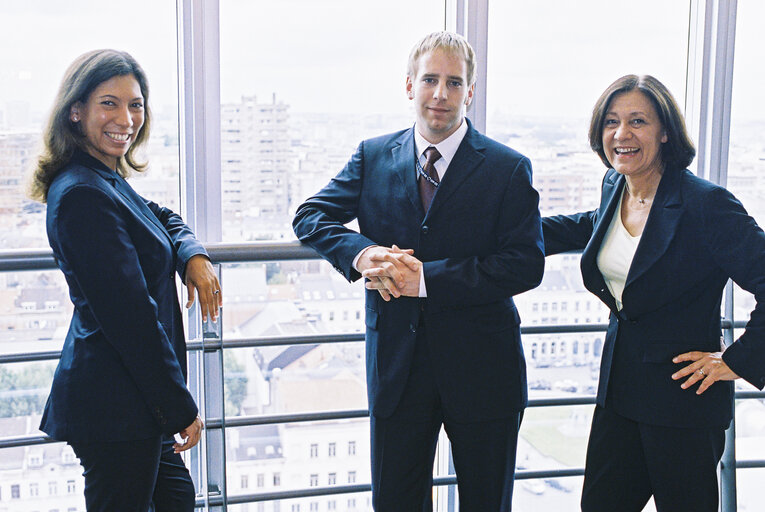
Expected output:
{"points": [[26, 357], [42, 259], [750, 464], [17, 441], [347, 414], [26, 259], [743, 395], [353, 489], [249, 421], [309, 339]]}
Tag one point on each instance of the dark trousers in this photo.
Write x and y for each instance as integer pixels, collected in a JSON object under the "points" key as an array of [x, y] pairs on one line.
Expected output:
{"points": [[628, 462], [404, 444], [135, 476]]}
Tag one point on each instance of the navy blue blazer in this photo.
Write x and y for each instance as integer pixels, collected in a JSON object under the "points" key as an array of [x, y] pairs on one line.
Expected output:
{"points": [[481, 243], [122, 373], [696, 237]]}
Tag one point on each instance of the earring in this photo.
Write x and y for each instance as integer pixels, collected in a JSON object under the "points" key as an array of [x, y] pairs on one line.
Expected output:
{"points": [[75, 118]]}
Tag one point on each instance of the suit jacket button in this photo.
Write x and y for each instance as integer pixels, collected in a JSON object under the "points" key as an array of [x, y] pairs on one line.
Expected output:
{"points": [[171, 275], [412, 328], [425, 230]]}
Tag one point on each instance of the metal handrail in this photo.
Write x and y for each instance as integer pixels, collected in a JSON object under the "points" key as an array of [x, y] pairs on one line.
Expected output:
{"points": [[42, 259]]}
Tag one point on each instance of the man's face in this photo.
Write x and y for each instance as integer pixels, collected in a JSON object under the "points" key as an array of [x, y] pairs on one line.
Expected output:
{"points": [[440, 92]]}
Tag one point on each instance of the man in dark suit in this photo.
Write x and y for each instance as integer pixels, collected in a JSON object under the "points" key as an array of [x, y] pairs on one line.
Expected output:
{"points": [[443, 337]]}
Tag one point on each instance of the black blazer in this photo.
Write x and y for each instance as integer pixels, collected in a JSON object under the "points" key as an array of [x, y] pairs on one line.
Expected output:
{"points": [[123, 366], [481, 243], [696, 237]]}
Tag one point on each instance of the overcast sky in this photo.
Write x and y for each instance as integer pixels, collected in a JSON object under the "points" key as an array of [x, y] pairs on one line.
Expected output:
{"points": [[548, 57]]}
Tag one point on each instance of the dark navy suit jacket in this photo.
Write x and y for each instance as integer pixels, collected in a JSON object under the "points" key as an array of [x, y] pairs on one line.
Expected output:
{"points": [[123, 367], [480, 242], [697, 236]]}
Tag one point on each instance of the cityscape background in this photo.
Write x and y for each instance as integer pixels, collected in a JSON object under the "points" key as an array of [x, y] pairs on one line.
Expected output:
{"points": [[291, 115]]}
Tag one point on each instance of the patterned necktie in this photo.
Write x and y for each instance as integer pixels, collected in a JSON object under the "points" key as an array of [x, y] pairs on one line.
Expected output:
{"points": [[428, 187]]}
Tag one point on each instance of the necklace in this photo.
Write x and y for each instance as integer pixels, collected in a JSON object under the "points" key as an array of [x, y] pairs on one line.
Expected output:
{"points": [[641, 200]]}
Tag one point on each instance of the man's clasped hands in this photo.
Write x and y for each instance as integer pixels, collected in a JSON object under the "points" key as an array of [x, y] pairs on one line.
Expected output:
{"points": [[392, 271]]}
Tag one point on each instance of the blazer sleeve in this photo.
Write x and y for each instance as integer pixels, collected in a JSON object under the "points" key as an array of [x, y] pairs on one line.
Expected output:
{"points": [[514, 267], [320, 220], [92, 239], [185, 243], [737, 245]]}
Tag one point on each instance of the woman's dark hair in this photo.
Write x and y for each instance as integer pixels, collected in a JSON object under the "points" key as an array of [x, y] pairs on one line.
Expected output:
{"points": [[62, 136], [678, 152]]}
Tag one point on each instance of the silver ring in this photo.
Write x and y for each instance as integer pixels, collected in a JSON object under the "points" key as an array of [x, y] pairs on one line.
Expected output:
{"points": [[701, 371], [216, 292]]}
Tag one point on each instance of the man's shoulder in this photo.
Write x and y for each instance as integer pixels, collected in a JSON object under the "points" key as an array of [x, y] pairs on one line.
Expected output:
{"points": [[388, 138]]}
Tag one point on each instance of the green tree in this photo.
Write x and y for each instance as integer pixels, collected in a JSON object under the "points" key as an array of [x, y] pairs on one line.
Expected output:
{"points": [[235, 383], [24, 392]]}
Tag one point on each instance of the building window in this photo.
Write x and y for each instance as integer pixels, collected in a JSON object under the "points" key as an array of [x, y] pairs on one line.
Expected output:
{"points": [[296, 507], [351, 447], [261, 507], [331, 505], [332, 479], [259, 480], [351, 503], [67, 455], [314, 482], [35, 460], [314, 451], [351, 477], [244, 481], [277, 479], [70, 487], [15, 492], [34, 489], [314, 506], [52, 488], [332, 449]]}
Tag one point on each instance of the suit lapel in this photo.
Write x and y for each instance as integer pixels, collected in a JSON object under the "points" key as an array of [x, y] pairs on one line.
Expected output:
{"points": [[468, 157], [609, 199], [403, 155], [660, 227]]}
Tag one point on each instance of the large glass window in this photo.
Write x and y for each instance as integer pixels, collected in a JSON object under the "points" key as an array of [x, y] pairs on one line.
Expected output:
{"points": [[746, 179], [39, 41], [547, 64], [302, 83]]}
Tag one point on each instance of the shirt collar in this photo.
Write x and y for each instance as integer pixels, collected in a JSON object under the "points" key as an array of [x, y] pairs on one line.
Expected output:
{"points": [[447, 147]]}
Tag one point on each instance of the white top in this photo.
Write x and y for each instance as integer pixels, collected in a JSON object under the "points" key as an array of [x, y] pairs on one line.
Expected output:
{"points": [[616, 253]]}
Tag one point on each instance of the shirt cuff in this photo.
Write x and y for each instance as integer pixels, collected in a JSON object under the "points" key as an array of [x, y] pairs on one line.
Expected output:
{"points": [[423, 291], [358, 256]]}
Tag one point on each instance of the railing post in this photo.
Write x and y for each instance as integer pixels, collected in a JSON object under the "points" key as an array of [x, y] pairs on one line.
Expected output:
{"points": [[728, 501]]}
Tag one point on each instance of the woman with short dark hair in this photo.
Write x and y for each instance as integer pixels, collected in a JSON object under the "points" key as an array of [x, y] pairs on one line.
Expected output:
{"points": [[119, 393], [658, 252]]}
